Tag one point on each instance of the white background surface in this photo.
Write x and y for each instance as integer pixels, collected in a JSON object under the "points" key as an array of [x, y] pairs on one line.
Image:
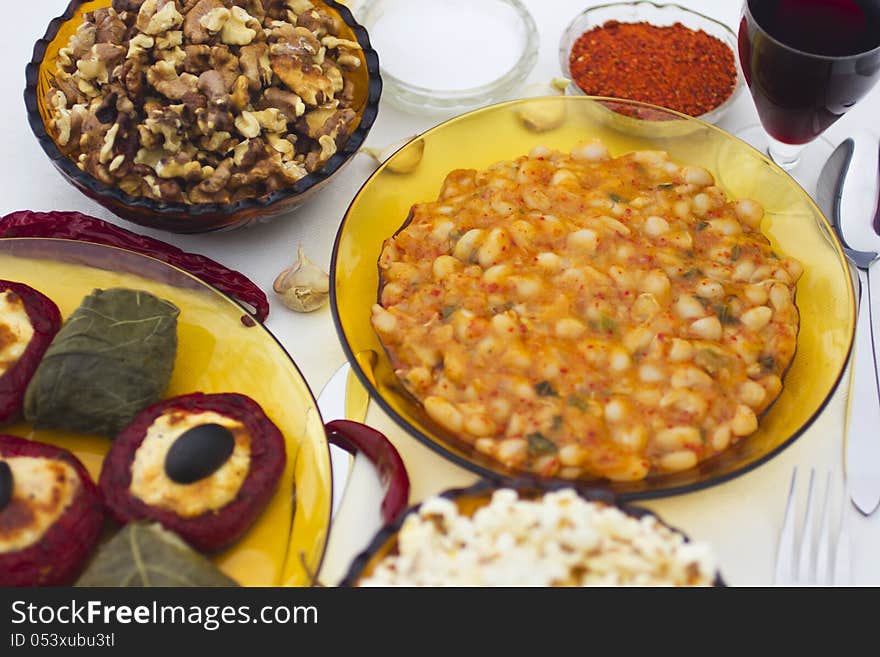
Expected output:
{"points": [[740, 519]]}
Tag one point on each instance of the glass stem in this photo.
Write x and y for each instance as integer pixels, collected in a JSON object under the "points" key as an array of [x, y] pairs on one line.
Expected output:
{"points": [[785, 155]]}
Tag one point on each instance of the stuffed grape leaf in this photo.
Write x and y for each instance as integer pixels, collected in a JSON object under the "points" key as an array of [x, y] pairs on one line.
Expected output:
{"points": [[145, 554], [112, 358]]}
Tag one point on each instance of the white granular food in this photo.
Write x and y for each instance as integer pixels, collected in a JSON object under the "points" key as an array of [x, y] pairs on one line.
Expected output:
{"points": [[559, 539]]}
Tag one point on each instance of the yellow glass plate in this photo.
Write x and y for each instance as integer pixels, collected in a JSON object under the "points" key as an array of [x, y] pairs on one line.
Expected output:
{"points": [[217, 352], [793, 224]]}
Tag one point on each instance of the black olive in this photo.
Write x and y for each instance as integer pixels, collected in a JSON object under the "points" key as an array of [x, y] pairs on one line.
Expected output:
{"points": [[5, 484], [198, 453]]}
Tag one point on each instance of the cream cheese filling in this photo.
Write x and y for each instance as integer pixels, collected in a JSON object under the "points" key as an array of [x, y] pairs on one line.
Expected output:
{"points": [[151, 484], [16, 330], [42, 489]]}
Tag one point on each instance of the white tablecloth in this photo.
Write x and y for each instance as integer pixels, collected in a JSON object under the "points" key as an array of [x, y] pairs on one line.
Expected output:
{"points": [[740, 519]]}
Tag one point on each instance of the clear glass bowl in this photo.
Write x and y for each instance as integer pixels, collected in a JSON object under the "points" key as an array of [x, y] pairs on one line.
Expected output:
{"points": [[420, 83], [655, 14]]}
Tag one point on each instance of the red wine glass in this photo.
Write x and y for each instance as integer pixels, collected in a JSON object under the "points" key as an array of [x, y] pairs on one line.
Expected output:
{"points": [[807, 62]]}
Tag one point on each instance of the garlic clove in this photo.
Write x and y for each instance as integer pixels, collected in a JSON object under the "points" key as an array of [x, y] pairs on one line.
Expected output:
{"points": [[303, 287], [410, 156], [538, 115], [555, 87]]}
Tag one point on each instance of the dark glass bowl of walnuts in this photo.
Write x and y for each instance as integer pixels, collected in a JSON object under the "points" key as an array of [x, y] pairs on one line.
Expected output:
{"points": [[199, 115]]}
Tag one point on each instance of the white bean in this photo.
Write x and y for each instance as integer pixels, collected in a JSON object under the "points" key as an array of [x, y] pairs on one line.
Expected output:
{"points": [[697, 176], [512, 451], [656, 226], [680, 350], [445, 265], [571, 328], [757, 318], [676, 438], [444, 413], [744, 421], [584, 241], [708, 328], [709, 289], [677, 461], [750, 212], [687, 307], [590, 151]]}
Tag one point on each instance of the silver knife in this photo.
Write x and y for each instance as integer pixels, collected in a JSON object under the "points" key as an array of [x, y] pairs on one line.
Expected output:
{"points": [[839, 180], [332, 405]]}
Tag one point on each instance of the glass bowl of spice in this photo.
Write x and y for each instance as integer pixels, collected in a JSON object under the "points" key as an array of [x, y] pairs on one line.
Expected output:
{"points": [[443, 57], [666, 55]]}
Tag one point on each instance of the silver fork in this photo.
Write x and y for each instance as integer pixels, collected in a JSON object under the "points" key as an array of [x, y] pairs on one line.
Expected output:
{"points": [[798, 563]]}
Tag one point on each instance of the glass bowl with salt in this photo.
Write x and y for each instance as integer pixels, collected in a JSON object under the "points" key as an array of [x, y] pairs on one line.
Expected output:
{"points": [[443, 57]]}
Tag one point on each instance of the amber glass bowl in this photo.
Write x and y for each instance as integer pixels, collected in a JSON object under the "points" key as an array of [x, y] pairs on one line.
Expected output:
{"points": [[198, 217], [468, 500], [792, 223], [286, 543]]}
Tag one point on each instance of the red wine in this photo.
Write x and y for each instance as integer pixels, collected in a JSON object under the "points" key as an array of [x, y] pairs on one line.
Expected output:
{"points": [[808, 61]]}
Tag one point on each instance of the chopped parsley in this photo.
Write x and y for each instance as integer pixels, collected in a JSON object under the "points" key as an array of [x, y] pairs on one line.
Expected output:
{"points": [[545, 389], [725, 315], [578, 403], [539, 445]]}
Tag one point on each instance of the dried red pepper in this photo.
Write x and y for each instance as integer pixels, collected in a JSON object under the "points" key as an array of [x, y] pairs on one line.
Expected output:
{"points": [[355, 437], [672, 66], [78, 226]]}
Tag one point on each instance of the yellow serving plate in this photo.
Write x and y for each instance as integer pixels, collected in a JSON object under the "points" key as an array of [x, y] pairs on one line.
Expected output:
{"points": [[793, 224], [217, 352]]}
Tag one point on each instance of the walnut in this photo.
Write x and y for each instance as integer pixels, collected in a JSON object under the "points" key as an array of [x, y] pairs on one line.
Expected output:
{"points": [[295, 41], [306, 80], [197, 60], [212, 85], [199, 101], [236, 30], [109, 27], [162, 20], [287, 102], [317, 22], [193, 29], [224, 61], [170, 40], [82, 41], [139, 45], [255, 65], [248, 125], [99, 61], [163, 77], [240, 96]]}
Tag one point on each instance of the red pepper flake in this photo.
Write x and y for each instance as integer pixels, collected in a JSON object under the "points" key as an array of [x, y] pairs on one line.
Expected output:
{"points": [[673, 66]]}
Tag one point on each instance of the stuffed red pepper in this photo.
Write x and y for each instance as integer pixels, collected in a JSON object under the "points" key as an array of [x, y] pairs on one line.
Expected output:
{"points": [[28, 322], [50, 514], [202, 465]]}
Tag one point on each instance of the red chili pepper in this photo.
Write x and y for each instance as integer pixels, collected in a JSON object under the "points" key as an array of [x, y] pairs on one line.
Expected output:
{"points": [[355, 437], [672, 66], [82, 227]]}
